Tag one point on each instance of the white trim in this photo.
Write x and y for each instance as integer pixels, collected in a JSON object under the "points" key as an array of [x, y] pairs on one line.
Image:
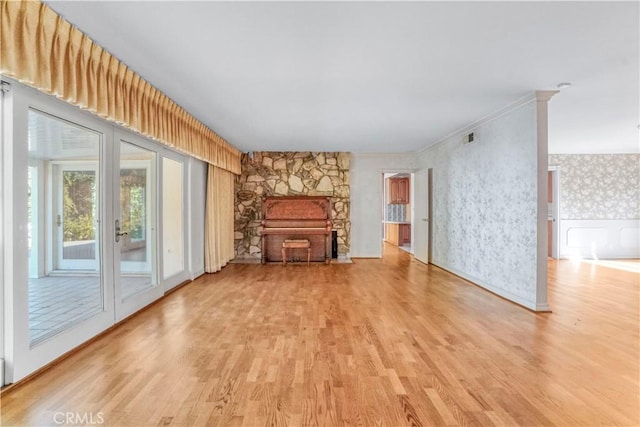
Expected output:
{"points": [[397, 170], [543, 307], [498, 291], [383, 207], [600, 238], [524, 100], [375, 154], [6, 128], [542, 143]]}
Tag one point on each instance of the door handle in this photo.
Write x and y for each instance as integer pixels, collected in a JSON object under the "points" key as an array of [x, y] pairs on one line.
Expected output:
{"points": [[119, 234]]}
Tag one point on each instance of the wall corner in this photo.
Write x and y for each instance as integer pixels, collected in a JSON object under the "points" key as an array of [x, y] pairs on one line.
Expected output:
{"points": [[542, 139]]}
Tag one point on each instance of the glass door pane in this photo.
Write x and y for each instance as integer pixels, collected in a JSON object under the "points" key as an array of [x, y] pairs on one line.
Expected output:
{"points": [[65, 286], [172, 218], [75, 219], [137, 217]]}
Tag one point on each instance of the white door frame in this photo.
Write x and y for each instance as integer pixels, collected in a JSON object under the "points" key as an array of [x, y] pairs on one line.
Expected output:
{"points": [[383, 202], [554, 211]]}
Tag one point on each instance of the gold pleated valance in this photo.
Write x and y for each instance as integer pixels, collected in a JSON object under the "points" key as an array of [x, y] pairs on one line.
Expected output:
{"points": [[42, 50]]}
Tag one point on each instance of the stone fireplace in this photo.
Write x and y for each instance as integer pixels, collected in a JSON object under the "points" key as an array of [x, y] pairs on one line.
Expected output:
{"points": [[289, 174]]}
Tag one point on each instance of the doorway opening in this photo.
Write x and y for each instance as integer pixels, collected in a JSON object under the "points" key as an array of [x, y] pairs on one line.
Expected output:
{"points": [[397, 209], [553, 212]]}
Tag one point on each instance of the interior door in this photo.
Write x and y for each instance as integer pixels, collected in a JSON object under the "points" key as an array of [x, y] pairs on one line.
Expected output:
{"points": [[421, 215], [135, 219]]}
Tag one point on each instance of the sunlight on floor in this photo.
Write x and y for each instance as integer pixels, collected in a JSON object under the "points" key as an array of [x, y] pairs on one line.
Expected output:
{"points": [[632, 265]]}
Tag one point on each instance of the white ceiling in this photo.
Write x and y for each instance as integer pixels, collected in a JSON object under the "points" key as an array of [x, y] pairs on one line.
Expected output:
{"points": [[380, 76]]}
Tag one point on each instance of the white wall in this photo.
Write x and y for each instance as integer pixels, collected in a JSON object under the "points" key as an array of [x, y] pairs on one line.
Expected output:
{"points": [[599, 205], [600, 238], [485, 205], [366, 199]]}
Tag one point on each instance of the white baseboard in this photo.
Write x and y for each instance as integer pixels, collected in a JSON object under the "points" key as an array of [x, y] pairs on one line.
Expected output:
{"points": [[543, 307], [197, 273], [531, 305]]}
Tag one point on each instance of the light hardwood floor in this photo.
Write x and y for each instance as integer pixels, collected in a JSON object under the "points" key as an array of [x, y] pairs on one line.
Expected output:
{"points": [[378, 342]]}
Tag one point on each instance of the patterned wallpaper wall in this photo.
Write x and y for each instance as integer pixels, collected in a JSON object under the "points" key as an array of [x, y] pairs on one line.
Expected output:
{"points": [[598, 186], [484, 204]]}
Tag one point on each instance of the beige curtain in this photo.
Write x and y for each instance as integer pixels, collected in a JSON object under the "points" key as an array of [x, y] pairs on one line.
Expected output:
{"points": [[219, 219], [42, 50]]}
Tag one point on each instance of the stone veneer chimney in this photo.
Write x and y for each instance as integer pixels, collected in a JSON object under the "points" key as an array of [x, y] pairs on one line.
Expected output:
{"points": [[289, 174]]}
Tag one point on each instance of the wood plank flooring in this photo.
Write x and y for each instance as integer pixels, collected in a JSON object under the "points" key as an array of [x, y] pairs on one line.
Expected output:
{"points": [[387, 342]]}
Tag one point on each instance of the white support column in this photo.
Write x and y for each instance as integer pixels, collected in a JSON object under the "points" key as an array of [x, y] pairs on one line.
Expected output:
{"points": [[542, 132]]}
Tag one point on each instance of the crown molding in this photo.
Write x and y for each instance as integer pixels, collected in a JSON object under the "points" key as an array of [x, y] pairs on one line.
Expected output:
{"points": [[545, 95], [526, 99]]}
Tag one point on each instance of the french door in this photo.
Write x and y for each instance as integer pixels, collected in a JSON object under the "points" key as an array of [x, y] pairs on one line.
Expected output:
{"points": [[135, 207], [86, 214], [59, 281]]}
